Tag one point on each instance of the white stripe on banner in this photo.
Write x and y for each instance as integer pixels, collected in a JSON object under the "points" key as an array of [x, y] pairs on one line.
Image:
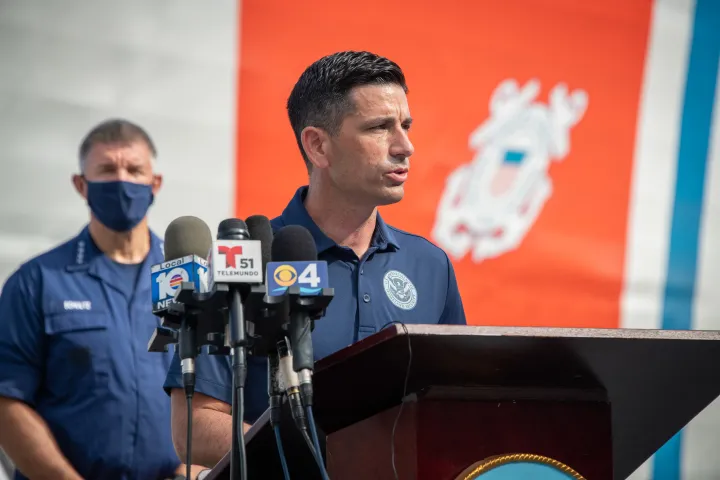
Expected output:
{"points": [[655, 162], [700, 459]]}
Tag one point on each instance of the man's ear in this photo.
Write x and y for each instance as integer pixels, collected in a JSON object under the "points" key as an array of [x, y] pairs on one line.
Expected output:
{"points": [[316, 142], [157, 183], [80, 185]]}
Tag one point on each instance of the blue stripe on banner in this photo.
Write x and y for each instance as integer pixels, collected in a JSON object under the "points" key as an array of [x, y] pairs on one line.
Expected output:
{"points": [[693, 153]]}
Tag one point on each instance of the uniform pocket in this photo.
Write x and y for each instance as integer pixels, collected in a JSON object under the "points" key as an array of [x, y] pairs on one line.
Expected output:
{"points": [[78, 353]]}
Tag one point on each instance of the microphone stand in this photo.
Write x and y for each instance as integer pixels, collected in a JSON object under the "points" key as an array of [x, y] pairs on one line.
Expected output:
{"points": [[187, 346], [223, 296], [238, 345], [304, 310], [185, 312]]}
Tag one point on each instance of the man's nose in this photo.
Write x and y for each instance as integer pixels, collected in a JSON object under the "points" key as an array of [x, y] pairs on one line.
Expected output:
{"points": [[123, 175], [402, 146]]}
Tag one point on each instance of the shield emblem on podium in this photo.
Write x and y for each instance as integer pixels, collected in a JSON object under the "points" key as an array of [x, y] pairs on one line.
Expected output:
{"points": [[519, 466]]}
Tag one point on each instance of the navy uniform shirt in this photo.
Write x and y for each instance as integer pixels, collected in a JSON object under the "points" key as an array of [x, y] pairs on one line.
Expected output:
{"points": [[74, 329], [402, 277]]}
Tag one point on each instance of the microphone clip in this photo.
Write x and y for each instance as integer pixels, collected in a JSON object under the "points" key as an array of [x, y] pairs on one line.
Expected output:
{"points": [[314, 306]]}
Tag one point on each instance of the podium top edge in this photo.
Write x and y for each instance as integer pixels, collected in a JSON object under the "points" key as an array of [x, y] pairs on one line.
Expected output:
{"points": [[551, 332], [397, 330]]}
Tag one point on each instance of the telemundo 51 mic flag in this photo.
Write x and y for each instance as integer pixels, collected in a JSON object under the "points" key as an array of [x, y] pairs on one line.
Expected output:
{"points": [[235, 261]]}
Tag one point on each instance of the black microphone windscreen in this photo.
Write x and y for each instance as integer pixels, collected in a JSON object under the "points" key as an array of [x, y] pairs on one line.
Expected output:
{"points": [[233, 229], [293, 243], [260, 229], [187, 235]]}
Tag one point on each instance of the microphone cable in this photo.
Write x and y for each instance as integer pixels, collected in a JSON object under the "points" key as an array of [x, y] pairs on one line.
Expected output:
{"points": [[297, 409], [316, 442], [276, 397], [281, 452], [239, 407], [306, 395], [315, 453], [187, 351], [188, 446], [404, 394], [239, 369]]}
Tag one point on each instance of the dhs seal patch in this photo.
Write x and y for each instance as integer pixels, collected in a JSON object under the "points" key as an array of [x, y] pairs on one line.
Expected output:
{"points": [[400, 290]]}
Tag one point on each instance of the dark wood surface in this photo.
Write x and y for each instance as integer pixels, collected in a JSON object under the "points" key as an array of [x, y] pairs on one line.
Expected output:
{"points": [[655, 380], [438, 439]]}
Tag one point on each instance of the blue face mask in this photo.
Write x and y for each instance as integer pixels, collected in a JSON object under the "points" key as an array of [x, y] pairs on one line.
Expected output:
{"points": [[120, 206]]}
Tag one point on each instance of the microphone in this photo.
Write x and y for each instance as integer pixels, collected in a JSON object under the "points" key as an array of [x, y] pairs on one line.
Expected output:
{"points": [[296, 273], [260, 229], [258, 314], [292, 384], [236, 262], [187, 240], [265, 327]]}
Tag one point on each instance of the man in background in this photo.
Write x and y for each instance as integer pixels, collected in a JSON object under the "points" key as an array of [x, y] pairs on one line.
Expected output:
{"points": [[351, 120], [80, 394]]}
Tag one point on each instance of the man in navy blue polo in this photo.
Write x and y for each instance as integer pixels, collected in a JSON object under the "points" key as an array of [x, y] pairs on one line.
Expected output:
{"points": [[351, 119], [79, 392]]}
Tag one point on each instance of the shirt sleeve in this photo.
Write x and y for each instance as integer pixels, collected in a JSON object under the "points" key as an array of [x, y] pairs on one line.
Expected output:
{"points": [[213, 377], [22, 336], [453, 313]]}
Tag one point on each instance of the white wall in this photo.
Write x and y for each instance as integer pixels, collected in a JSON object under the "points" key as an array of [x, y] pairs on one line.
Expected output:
{"points": [[167, 64], [66, 65]]}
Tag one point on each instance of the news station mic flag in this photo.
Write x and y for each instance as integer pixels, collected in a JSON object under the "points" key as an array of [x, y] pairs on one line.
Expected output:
{"points": [[186, 244]]}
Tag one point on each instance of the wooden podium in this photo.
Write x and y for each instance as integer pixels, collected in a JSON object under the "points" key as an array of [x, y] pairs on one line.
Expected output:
{"points": [[596, 401]]}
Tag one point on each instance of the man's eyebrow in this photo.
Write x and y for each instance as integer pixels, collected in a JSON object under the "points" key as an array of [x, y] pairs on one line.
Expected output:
{"points": [[106, 162], [384, 119]]}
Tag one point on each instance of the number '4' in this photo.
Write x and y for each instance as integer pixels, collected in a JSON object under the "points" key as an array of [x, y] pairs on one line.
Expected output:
{"points": [[310, 276]]}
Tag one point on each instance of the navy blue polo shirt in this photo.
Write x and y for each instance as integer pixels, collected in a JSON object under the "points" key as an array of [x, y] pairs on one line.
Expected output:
{"points": [[402, 277], [74, 329]]}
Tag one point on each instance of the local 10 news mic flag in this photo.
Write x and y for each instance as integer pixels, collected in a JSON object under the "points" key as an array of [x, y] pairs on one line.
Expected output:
{"points": [[186, 244]]}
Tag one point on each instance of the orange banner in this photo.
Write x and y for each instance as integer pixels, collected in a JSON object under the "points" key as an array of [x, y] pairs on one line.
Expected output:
{"points": [[524, 119]]}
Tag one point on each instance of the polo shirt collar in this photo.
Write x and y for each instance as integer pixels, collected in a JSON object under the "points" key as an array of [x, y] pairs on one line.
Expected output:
{"points": [[296, 214]]}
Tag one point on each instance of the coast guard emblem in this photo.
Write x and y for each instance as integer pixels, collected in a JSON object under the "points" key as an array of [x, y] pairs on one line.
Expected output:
{"points": [[490, 204], [400, 290]]}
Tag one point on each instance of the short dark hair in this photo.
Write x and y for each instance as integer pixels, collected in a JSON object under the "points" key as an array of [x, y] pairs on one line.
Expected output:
{"points": [[114, 130], [320, 96]]}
